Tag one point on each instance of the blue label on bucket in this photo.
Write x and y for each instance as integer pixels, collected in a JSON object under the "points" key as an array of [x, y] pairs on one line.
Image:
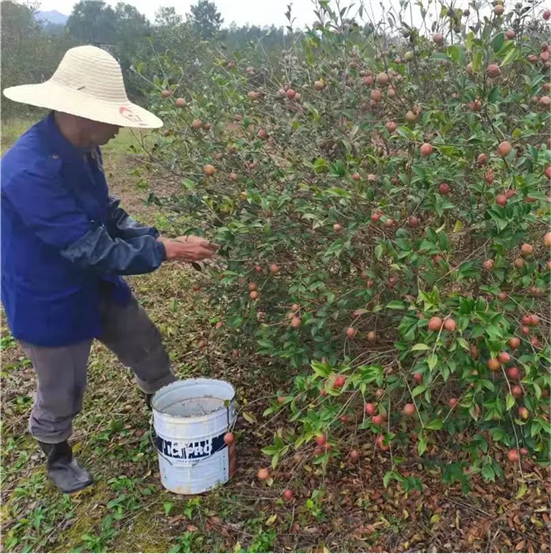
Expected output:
{"points": [[194, 450]]}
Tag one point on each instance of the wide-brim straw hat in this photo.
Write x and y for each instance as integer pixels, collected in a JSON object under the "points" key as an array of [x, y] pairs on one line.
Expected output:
{"points": [[88, 83]]}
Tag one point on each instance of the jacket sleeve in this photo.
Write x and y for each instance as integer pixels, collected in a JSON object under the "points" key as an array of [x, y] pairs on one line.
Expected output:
{"points": [[123, 226], [44, 205]]}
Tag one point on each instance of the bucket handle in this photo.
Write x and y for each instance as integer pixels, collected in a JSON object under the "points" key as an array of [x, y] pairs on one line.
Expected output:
{"points": [[193, 464]]}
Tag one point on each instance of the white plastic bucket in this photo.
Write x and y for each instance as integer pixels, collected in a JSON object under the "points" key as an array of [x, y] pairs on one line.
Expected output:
{"points": [[190, 419]]}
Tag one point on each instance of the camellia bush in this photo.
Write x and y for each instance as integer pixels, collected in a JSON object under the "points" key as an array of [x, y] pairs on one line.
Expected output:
{"points": [[381, 198]]}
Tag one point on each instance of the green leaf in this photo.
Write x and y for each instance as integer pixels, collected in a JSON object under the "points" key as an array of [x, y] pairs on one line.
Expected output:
{"points": [[422, 446], [419, 389], [435, 425], [498, 41], [494, 94], [488, 473], [432, 360], [420, 346], [523, 489], [323, 370], [455, 53], [509, 401], [168, 507], [396, 305], [250, 417], [510, 56], [477, 62]]}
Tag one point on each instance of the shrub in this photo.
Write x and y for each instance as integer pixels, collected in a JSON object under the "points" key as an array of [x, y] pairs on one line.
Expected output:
{"points": [[360, 186]]}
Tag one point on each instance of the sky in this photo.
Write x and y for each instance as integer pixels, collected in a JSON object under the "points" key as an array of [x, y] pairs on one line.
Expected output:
{"points": [[258, 12], [254, 12]]}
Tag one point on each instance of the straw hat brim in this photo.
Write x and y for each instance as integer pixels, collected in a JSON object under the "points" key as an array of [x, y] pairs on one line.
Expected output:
{"points": [[56, 97]]}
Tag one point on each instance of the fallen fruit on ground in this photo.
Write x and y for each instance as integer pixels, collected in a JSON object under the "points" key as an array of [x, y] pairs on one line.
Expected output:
{"points": [[263, 474]]}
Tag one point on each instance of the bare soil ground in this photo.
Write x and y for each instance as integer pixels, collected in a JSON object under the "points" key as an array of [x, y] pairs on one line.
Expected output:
{"points": [[127, 510]]}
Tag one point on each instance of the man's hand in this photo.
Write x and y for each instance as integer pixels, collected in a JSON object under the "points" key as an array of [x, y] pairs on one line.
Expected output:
{"points": [[188, 248]]}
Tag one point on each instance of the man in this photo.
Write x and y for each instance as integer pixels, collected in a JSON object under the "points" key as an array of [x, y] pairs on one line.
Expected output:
{"points": [[66, 243]]}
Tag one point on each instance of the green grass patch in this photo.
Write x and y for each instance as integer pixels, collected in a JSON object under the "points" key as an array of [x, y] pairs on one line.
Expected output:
{"points": [[121, 145]]}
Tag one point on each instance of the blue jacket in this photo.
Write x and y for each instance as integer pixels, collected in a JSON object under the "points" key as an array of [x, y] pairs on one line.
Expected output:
{"points": [[64, 240]]}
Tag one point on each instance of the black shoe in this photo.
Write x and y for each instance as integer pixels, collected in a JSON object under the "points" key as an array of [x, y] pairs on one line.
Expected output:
{"points": [[147, 397], [63, 469]]}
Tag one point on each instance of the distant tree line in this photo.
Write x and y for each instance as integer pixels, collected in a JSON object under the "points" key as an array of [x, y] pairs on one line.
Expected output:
{"points": [[32, 49]]}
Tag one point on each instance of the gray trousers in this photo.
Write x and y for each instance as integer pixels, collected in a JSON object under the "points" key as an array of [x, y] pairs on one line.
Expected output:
{"points": [[61, 371]]}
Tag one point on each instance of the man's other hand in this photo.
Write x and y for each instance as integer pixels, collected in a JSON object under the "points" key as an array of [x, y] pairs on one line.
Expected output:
{"points": [[188, 248]]}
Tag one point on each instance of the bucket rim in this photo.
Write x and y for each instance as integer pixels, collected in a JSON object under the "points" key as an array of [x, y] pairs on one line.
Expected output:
{"points": [[198, 380]]}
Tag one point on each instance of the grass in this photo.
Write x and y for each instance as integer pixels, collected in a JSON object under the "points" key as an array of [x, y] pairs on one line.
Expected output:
{"points": [[121, 145], [127, 510]]}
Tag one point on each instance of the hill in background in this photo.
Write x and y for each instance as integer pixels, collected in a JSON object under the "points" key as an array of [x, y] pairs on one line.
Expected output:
{"points": [[52, 17]]}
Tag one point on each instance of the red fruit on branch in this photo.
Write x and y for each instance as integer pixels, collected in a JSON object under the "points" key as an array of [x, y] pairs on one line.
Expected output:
{"points": [[426, 150], [534, 320], [501, 200], [381, 444], [513, 373], [514, 342], [504, 149], [371, 336], [377, 419], [435, 323], [383, 79], [493, 71], [369, 409], [340, 381], [408, 410], [504, 357], [450, 325], [523, 413], [376, 95], [414, 222], [513, 455], [295, 322], [526, 249], [493, 364], [444, 189]]}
